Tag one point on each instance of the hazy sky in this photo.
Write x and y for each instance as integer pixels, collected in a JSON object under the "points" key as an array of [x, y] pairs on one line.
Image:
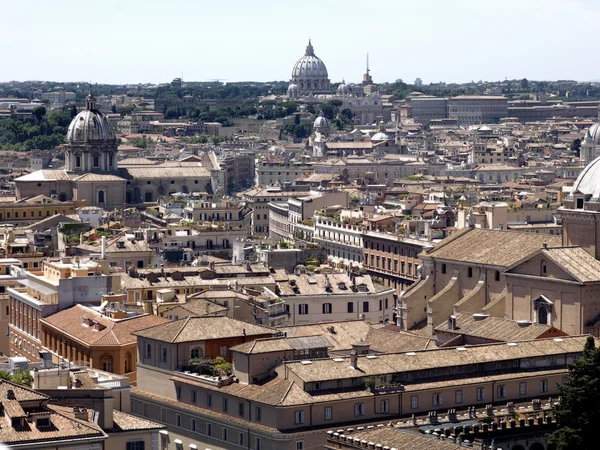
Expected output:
{"points": [[130, 41]]}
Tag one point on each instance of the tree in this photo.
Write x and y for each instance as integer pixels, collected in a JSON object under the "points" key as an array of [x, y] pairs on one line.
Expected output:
{"points": [[578, 412], [576, 146], [524, 83], [39, 113]]}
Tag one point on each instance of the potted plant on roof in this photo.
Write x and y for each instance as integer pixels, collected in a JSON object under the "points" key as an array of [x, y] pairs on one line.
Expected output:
{"points": [[370, 383]]}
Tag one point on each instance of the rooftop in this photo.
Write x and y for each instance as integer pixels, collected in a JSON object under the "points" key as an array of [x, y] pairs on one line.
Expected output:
{"points": [[111, 332], [491, 247], [496, 328], [197, 328]]}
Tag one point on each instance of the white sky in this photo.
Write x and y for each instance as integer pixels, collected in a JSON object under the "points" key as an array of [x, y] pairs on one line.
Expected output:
{"points": [[131, 41]]}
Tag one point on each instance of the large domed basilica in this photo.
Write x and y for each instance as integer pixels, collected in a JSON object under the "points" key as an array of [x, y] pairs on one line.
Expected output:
{"points": [[309, 75]]}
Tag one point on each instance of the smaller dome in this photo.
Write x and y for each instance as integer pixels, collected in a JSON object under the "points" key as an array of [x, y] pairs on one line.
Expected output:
{"points": [[90, 125], [321, 122], [380, 136], [594, 132], [293, 90], [343, 88]]}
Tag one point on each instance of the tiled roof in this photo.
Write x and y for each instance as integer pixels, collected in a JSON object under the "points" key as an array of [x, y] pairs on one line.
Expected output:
{"points": [[112, 332], [491, 247], [128, 422], [576, 261], [22, 394], [196, 328], [328, 369], [343, 334], [64, 426], [198, 307], [495, 328], [278, 344], [389, 437]]}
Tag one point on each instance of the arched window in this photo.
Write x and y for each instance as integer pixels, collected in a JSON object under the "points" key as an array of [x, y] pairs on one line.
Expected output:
{"points": [[544, 269], [107, 363], [543, 316], [127, 362], [101, 197]]}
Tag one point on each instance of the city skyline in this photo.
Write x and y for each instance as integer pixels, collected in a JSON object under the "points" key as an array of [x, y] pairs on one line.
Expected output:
{"points": [[142, 42]]}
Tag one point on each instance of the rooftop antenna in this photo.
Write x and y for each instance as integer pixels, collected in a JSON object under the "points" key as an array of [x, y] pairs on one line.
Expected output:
{"points": [[367, 63]]}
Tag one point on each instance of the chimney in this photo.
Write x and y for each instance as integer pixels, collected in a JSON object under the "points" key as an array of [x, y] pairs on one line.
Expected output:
{"points": [[80, 413], [354, 359], [361, 347], [103, 251], [452, 323]]}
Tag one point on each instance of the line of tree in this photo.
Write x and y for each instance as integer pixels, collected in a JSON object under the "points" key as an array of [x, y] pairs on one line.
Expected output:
{"points": [[42, 131]]}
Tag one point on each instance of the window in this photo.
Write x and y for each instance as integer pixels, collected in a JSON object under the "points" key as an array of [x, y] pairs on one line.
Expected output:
{"points": [[96, 161], [522, 388], [350, 307], [44, 422], [366, 307], [299, 417], [300, 445], [164, 355], [257, 414], [106, 366], [458, 396], [225, 404], [178, 418], [543, 315], [193, 396], [579, 203], [193, 425], [443, 268], [209, 429], [470, 272], [224, 434], [326, 308], [257, 444], [241, 409], [328, 412], [241, 440], [501, 391], [437, 399], [480, 394], [303, 308], [385, 406], [135, 445], [359, 409], [196, 352], [544, 386], [209, 400], [224, 351], [178, 390]]}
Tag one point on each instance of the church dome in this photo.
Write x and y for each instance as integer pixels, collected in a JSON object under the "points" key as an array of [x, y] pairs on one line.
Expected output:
{"points": [[293, 90], [90, 125], [594, 132], [380, 136], [343, 88], [321, 122], [588, 181], [310, 73]]}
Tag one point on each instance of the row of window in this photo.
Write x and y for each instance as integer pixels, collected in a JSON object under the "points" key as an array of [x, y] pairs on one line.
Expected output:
{"points": [[411, 253], [31, 214], [327, 308]]}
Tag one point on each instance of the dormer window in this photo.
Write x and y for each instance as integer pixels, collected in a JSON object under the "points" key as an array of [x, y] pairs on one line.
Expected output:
{"points": [[43, 422]]}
